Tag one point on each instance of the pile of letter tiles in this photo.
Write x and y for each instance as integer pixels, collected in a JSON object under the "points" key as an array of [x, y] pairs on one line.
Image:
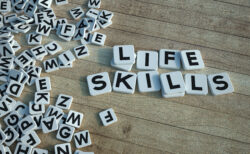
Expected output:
{"points": [[171, 84], [22, 121]]}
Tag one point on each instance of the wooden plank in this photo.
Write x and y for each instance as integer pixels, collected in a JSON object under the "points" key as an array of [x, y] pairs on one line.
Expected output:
{"points": [[243, 3], [210, 7]]}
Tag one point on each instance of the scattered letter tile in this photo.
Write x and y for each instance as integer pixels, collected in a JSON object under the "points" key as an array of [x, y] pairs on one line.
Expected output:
{"points": [[108, 117]]}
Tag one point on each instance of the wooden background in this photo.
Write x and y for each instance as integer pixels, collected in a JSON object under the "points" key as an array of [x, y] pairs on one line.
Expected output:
{"points": [[148, 123]]}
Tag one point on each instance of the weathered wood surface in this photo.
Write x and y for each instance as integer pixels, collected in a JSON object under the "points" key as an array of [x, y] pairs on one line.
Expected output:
{"points": [[148, 123]]}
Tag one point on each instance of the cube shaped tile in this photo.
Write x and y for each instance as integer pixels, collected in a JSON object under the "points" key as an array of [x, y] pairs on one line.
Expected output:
{"points": [[66, 38], [63, 148], [31, 139], [43, 84], [38, 120], [3, 137], [87, 39], [2, 149], [61, 2], [10, 101], [79, 34], [53, 47], [27, 124], [12, 119], [68, 30], [9, 62], [94, 4], [4, 108], [22, 148], [148, 81], [4, 75], [7, 150], [34, 39], [36, 108], [92, 13], [42, 98], [74, 119], [39, 151], [43, 29], [21, 108], [3, 88], [16, 46], [15, 88], [172, 84], [108, 117], [10, 18], [124, 54], [6, 49], [164, 95], [104, 24], [25, 18], [24, 59], [49, 124], [34, 74], [82, 139], [66, 57], [196, 84], [192, 59], [99, 84], [106, 15], [170, 59], [98, 39], [147, 60], [5, 6], [64, 101], [220, 84], [22, 28], [15, 75], [121, 67], [30, 9], [39, 52], [65, 133], [81, 152], [11, 135], [54, 111], [124, 82], [83, 23], [77, 12], [50, 65], [69, 65], [24, 78], [81, 51], [63, 119], [45, 3]]}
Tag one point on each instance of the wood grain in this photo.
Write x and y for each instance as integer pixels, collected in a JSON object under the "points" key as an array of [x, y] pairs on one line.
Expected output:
{"points": [[242, 3], [147, 122]]}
